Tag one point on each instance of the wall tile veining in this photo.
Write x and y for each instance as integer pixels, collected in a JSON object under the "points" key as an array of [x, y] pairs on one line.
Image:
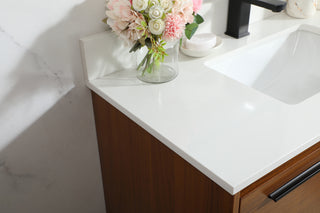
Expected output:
{"points": [[48, 152]]}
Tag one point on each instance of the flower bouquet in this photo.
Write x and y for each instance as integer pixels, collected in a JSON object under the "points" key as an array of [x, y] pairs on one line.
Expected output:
{"points": [[156, 25]]}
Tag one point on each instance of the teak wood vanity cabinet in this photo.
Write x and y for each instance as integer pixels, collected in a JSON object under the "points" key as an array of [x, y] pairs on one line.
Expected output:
{"points": [[142, 175]]}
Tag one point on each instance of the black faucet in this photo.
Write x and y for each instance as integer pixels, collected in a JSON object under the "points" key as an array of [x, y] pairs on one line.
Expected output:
{"points": [[239, 14]]}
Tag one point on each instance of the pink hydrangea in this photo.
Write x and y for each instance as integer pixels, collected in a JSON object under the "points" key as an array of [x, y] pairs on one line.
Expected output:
{"points": [[197, 5], [175, 26]]}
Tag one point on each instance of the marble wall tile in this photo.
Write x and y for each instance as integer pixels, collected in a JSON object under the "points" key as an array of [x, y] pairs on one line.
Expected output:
{"points": [[48, 152]]}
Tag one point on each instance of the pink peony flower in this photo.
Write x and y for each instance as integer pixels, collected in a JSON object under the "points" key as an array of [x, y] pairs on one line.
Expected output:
{"points": [[119, 9], [175, 26], [111, 3], [188, 12], [117, 26], [134, 31], [123, 20], [197, 5], [184, 8]]}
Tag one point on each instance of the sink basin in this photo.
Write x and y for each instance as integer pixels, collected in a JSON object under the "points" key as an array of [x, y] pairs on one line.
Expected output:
{"points": [[285, 66]]}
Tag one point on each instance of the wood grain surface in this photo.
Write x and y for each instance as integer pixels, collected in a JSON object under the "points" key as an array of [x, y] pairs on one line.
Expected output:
{"points": [[304, 199], [142, 175]]}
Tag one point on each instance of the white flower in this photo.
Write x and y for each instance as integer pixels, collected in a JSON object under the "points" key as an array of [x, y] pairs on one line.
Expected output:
{"points": [[166, 5], [139, 5], [156, 26], [155, 12], [153, 2]]}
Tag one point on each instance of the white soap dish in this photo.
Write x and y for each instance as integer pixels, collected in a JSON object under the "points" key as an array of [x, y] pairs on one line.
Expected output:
{"points": [[200, 53]]}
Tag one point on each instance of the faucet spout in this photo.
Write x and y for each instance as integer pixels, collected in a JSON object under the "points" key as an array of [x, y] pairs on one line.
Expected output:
{"points": [[273, 5], [239, 14]]}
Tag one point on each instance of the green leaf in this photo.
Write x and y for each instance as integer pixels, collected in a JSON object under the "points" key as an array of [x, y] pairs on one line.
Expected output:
{"points": [[143, 23], [105, 20], [135, 47], [198, 19], [149, 69], [190, 30], [142, 62], [157, 62]]}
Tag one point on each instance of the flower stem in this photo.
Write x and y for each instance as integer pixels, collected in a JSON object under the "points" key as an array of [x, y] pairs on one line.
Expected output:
{"points": [[142, 62], [148, 64]]}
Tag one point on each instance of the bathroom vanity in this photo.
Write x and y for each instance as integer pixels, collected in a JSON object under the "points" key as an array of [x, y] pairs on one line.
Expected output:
{"points": [[207, 141], [140, 174]]}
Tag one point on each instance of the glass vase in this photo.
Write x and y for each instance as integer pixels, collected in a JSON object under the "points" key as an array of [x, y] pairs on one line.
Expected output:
{"points": [[162, 72]]}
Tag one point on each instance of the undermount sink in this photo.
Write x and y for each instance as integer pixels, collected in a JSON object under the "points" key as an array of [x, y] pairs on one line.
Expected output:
{"points": [[285, 66]]}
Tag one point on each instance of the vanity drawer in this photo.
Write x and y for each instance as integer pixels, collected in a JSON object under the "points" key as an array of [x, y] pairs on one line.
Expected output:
{"points": [[303, 199]]}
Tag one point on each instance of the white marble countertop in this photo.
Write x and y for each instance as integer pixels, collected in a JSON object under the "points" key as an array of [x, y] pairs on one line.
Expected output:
{"points": [[230, 132]]}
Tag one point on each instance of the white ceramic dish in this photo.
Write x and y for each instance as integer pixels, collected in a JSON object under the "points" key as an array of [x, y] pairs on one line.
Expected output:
{"points": [[201, 41], [200, 53]]}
